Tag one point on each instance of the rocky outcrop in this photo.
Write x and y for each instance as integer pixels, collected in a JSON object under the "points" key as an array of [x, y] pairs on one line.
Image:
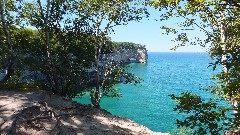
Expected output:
{"points": [[124, 56], [142, 55], [135, 55]]}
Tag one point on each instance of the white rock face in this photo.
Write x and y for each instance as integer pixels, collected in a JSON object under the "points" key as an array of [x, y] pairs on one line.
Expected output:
{"points": [[127, 56], [142, 55]]}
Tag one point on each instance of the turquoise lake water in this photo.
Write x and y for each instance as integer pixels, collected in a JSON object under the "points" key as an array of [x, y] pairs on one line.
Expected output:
{"points": [[163, 74]]}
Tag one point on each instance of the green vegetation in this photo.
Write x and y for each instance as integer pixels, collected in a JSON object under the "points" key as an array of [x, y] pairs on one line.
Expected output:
{"points": [[219, 22], [126, 45], [59, 40], [52, 44]]}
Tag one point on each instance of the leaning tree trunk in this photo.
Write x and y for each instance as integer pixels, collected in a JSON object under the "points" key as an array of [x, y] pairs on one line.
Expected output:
{"points": [[95, 94], [223, 40], [6, 29], [223, 37]]}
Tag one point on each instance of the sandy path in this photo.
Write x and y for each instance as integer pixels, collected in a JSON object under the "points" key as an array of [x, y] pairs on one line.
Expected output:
{"points": [[41, 113]]}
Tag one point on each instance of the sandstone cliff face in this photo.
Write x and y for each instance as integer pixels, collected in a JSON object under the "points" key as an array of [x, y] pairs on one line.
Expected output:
{"points": [[125, 56], [142, 55], [136, 55]]}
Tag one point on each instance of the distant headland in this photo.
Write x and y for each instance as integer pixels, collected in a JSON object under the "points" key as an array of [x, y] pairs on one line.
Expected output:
{"points": [[127, 52]]}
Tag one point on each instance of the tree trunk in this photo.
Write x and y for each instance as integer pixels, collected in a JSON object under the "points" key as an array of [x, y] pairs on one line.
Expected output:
{"points": [[223, 40], [223, 37], [95, 94], [6, 29], [52, 68]]}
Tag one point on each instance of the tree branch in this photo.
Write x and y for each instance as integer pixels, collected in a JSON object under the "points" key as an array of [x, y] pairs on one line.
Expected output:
{"points": [[234, 2]]}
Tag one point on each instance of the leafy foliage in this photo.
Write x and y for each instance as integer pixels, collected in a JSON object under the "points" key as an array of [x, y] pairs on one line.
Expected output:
{"points": [[203, 116], [52, 45], [126, 45], [219, 22], [104, 15]]}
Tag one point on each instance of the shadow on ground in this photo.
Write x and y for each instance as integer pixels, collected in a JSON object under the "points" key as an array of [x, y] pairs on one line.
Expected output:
{"points": [[44, 113]]}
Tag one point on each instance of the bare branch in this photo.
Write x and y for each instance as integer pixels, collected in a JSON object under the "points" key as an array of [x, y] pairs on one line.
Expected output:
{"points": [[41, 8]]}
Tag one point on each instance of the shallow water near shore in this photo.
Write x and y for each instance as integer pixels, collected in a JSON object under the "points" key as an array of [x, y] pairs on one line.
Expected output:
{"points": [[163, 74]]}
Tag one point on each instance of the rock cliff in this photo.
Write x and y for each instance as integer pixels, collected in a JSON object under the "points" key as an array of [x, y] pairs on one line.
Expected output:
{"points": [[135, 55]]}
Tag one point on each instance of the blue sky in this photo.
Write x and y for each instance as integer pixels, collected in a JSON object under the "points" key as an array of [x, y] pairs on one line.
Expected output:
{"points": [[149, 33]]}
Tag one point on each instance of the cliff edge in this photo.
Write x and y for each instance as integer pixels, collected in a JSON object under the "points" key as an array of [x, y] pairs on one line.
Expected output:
{"points": [[134, 55], [43, 113]]}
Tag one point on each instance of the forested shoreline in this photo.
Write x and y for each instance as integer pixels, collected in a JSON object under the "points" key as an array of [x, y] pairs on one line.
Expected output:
{"points": [[59, 40], [29, 67], [52, 45]]}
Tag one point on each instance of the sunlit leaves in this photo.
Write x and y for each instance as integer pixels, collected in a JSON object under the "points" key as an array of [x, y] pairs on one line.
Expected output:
{"points": [[218, 20], [203, 116], [65, 39], [102, 16]]}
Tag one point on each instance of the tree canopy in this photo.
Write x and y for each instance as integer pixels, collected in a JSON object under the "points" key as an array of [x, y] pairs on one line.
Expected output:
{"points": [[219, 22], [52, 44]]}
